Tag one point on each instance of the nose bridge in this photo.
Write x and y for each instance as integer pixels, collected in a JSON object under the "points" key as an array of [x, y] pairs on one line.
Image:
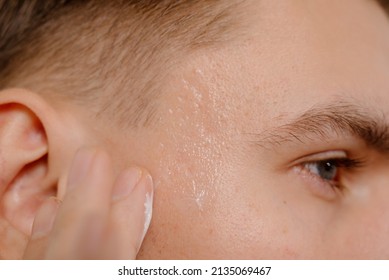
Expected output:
{"points": [[371, 191], [368, 204], [380, 190], [378, 201], [376, 216]]}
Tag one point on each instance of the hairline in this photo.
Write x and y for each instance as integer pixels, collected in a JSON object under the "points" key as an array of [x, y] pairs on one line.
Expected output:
{"points": [[153, 61]]}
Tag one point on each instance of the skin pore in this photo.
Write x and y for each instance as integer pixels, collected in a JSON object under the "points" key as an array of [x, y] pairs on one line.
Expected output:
{"points": [[256, 151]]}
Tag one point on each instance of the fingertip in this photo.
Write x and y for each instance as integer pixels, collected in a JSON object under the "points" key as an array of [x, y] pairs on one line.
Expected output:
{"points": [[80, 167], [148, 197], [131, 218], [126, 182], [148, 204], [44, 218]]}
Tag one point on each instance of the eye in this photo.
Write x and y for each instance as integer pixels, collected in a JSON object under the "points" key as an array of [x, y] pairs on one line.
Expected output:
{"points": [[329, 169], [325, 169], [323, 173]]}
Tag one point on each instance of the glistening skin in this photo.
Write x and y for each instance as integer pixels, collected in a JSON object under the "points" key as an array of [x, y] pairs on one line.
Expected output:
{"points": [[273, 145]]}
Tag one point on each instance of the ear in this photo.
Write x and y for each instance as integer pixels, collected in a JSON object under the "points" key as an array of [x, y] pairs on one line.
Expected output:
{"points": [[33, 150]]}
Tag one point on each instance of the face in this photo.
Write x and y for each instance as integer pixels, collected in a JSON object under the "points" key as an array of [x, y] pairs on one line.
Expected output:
{"points": [[266, 146]]}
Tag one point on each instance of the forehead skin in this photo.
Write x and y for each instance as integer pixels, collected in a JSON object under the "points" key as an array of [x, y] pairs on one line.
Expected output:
{"points": [[216, 195]]}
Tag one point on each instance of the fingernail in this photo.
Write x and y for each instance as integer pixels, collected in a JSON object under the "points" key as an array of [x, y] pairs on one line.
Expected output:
{"points": [[44, 218], [126, 182], [148, 205], [80, 166]]}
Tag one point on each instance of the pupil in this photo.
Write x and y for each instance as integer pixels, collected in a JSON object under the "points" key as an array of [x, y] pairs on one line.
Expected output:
{"points": [[327, 170]]}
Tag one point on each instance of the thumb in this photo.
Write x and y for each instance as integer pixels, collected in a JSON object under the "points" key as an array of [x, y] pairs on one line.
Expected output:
{"points": [[131, 213]]}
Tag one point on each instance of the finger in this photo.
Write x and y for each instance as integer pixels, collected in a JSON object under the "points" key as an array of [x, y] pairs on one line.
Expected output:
{"points": [[81, 220], [41, 229], [131, 213]]}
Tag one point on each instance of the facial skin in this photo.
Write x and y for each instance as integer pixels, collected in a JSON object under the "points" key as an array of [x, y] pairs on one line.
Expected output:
{"points": [[220, 194], [234, 160]]}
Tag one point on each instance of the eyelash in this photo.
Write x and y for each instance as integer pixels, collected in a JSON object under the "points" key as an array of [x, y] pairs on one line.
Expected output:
{"points": [[347, 164]]}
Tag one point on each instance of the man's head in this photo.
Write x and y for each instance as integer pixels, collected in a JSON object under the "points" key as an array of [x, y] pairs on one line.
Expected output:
{"points": [[263, 123]]}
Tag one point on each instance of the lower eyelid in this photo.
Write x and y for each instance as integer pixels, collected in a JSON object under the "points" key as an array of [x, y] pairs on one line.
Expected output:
{"points": [[319, 187]]}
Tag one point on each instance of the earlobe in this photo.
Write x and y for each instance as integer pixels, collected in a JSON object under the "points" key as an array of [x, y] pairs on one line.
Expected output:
{"points": [[24, 180]]}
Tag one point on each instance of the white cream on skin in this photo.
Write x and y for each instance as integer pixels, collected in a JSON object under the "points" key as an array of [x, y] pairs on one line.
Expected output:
{"points": [[148, 213]]}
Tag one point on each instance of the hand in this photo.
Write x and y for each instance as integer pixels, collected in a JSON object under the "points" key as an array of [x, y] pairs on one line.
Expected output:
{"points": [[99, 217]]}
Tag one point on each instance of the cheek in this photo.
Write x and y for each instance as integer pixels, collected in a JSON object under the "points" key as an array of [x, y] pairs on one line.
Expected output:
{"points": [[187, 179], [209, 205]]}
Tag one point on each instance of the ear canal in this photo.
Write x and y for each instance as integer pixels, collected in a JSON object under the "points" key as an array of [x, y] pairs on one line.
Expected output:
{"points": [[23, 157]]}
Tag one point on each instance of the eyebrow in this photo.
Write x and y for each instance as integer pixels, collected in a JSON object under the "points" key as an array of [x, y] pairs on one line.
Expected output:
{"points": [[321, 121]]}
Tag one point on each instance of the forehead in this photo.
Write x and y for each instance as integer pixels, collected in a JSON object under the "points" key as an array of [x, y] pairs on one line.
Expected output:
{"points": [[292, 56]]}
